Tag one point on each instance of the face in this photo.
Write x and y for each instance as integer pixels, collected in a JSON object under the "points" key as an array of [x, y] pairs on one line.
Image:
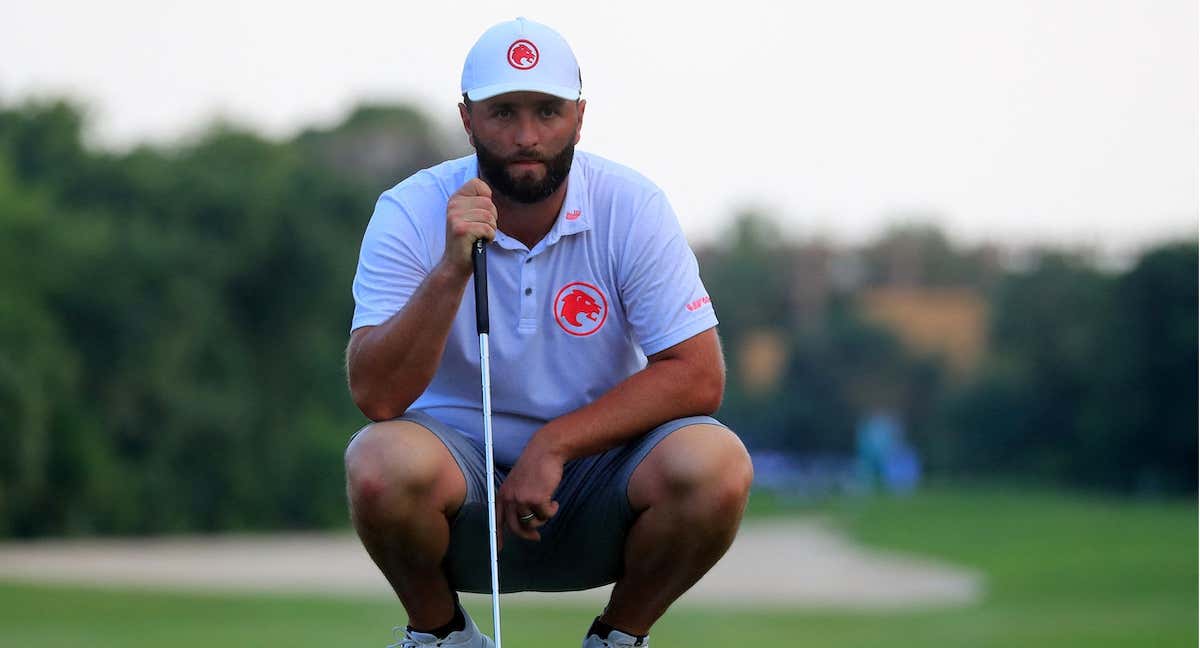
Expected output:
{"points": [[525, 142]]}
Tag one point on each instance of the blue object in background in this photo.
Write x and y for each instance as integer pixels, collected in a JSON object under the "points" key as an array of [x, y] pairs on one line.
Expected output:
{"points": [[885, 459]]}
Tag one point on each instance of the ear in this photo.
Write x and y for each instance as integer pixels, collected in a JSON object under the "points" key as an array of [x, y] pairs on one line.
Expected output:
{"points": [[465, 115], [582, 105]]}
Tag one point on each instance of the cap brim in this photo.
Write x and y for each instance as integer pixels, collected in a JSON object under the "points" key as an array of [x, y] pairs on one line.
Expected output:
{"points": [[487, 92]]}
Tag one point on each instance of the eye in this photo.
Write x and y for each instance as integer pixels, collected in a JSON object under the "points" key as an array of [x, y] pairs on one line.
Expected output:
{"points": [[502, 112], [548, 111]]}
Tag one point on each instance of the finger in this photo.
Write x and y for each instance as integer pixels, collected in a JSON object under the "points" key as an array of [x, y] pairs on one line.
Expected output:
{"points": [[482, 231], [531, 527], [523, 529], [544, 511], [479, 214], [511, 522], [474, 231], [533, 519], [530, 533], [499, 530], [475, 187], [503, 514]]}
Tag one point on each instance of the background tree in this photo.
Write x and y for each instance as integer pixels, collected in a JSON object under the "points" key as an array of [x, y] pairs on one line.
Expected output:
{"points": [[173, 319]]}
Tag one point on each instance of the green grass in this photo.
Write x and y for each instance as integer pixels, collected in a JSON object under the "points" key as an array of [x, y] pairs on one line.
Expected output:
{"points": [[1061, 571]]}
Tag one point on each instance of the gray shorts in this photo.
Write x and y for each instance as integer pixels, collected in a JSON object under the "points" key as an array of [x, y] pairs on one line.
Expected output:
{"points": [[582, 546]]}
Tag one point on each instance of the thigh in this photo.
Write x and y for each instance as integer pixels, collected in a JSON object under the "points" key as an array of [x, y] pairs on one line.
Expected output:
{"points": [[398, 457], [467, 563], [695, 457], [416, 449]]}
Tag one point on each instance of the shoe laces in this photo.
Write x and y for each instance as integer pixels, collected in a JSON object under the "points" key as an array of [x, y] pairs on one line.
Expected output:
{"points": [[644, 643], [400, 633]]}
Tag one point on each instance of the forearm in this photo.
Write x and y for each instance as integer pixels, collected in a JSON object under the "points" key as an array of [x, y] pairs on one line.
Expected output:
{"points": [[665, 390], [391, 364]]}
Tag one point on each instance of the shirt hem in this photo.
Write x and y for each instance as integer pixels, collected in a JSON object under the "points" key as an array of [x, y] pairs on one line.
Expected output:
{"points": [[679, 335], [369, 320]]}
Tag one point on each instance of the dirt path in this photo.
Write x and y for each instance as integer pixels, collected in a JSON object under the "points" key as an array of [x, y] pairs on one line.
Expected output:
{"points": [[777, 563]]}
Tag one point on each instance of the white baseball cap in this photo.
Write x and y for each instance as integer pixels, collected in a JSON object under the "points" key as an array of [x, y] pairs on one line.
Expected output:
{"points": [[520, 55]]}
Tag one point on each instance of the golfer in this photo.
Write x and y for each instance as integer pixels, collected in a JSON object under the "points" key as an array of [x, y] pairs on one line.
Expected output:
{"points": [[605, 369]]}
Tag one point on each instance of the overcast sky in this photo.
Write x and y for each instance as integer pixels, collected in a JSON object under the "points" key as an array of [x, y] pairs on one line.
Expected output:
{"points": [[1069, 121]]}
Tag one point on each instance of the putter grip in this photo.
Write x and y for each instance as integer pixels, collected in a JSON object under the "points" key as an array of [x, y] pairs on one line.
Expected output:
{"points": [[479, 257]]}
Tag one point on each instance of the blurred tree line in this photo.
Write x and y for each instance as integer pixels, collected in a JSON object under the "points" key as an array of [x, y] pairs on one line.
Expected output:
{"points": [[172, 322], [1087, 377], [173, 319]]}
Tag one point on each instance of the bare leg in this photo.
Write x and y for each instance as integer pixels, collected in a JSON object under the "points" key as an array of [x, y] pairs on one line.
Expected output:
{"points": [[691, 492], [404, 486]]}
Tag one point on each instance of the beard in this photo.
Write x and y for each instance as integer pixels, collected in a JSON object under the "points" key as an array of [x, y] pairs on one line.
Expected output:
{"points": [[493, 169]]}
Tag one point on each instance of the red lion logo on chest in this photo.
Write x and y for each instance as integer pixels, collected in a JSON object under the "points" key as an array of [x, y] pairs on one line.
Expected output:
{"points": [[580, 308], [578, 303]]}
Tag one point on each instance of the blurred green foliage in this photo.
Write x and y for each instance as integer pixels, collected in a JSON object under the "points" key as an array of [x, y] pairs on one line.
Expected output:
{"points": [[1091, 379], [173, 324], [173, 318]]}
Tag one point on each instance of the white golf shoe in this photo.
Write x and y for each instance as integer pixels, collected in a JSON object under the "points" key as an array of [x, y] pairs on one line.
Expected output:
{"points": [[615, 639], [468, 637]]}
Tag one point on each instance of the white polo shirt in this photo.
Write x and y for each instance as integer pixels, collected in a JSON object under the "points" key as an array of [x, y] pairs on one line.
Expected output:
{"points": [[612, 282]]}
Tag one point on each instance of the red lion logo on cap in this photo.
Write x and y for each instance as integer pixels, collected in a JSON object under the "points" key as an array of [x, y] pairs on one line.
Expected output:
{"points": [[580, 308], [522, 54]]}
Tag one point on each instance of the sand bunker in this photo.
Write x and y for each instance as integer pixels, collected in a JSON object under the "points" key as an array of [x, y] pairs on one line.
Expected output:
{"points": [[793, 563]]}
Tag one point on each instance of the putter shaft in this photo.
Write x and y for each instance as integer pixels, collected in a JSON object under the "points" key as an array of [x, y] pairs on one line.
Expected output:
{"points": [[479, 258]]}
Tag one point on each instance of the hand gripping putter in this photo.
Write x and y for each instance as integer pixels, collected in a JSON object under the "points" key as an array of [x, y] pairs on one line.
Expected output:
{"points": [[479, 257]]}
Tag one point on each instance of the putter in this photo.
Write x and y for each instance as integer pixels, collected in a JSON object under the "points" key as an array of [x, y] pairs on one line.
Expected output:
{"points": [[479, 257]]}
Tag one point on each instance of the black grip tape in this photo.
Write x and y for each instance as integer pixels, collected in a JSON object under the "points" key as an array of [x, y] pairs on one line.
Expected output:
{"points": [[479, 257]]}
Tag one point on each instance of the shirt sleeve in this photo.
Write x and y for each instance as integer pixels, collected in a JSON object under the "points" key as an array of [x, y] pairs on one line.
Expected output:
{"points": [[392, 263], [665, 301]]}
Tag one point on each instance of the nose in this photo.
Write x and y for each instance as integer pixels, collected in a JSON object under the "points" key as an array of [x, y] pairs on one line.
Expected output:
{"points": [[526, 135]]}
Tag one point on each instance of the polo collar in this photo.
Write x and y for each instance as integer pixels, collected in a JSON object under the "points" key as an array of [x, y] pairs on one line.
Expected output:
{"points": [[574, 217]]}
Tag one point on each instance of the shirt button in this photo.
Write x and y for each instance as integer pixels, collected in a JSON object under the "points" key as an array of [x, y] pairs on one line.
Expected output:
{"points": [[529, 291], [528, 259]]}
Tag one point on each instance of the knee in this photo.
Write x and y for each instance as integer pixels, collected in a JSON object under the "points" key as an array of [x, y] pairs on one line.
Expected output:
{"points": [[388, 464], [710, 463]]}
